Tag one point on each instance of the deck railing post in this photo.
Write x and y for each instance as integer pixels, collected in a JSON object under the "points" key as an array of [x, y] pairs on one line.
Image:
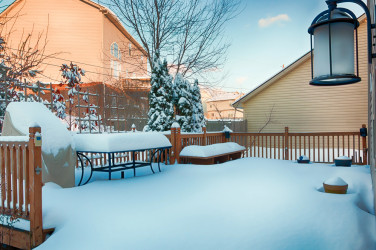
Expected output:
{"points": [[364, 145], [204, 136], [286, 143], [35, 187], [178, 144], [173, 143]]}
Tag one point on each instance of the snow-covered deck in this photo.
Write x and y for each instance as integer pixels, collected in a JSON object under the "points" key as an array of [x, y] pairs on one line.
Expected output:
{"points": [[250, 203]]}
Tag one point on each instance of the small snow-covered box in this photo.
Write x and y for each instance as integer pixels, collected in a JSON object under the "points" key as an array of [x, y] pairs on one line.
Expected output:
{"points": [[343, 161], [58, 156]]}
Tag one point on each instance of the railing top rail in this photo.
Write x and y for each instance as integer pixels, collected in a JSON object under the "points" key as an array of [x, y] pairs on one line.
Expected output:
{"points": [[324, 134], [296, 134], [257, 134], [14, 140]]}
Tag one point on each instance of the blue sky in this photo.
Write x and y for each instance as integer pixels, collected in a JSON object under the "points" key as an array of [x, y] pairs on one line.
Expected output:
{"points": [[265, 36], [268, 35]]}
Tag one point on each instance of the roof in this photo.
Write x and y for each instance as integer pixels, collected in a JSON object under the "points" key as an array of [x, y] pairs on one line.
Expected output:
{"points": [[225, 96], [105, 11], [272, 79], [238, 103]]}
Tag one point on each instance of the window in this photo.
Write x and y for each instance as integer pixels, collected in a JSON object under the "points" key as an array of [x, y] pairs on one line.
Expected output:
{"points": [[130, 49], [115, 69], [142, 58], [115, 50]]}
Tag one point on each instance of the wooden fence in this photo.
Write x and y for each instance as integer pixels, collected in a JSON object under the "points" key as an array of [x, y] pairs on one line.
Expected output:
{"points": [[319, 147], [21, 189]]}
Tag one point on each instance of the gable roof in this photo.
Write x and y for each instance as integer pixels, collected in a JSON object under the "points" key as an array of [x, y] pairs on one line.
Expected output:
{"points": [[271, 80], [104, 10], [238, 103]]}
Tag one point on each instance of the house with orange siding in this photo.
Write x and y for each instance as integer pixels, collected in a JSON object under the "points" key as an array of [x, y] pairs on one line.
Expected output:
{"points": [[81, 31]]}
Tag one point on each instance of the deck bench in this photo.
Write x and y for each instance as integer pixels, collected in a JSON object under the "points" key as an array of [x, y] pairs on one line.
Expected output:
{"points": [[121, 143], [211, 154]]}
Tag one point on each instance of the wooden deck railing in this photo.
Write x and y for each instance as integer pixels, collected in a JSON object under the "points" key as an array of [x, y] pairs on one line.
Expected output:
{"points": [[21, 189], [319, 147]]}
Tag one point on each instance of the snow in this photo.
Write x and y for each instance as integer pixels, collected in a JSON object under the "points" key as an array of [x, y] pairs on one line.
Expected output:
{"points": [[335, 181], [14, 138], [55, 136], [175, 125], [120, 142], [226, 129], [210, 150], [343, 158], [249, 203]]}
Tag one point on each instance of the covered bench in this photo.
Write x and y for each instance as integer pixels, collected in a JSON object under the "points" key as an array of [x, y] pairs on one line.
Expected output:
{"points": [[211, 154], [88, 145]]}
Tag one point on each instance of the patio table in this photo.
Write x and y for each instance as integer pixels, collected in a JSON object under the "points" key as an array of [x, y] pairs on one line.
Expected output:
{"points": [[121, 143]]}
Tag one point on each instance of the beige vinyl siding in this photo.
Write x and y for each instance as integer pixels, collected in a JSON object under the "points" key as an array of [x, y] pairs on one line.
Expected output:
{"points": [[306, 108]]}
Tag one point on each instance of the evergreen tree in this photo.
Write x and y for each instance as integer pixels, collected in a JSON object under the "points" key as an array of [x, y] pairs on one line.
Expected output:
{"points": [[161, 109], [183, 103], [198, 118]]}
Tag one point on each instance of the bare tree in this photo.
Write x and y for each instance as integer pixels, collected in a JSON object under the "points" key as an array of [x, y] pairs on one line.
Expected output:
{"points": [[188, 33]]}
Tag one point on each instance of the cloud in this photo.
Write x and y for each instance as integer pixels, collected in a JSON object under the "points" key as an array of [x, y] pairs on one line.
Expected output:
{"points": [[265, 22], [241, 79]]}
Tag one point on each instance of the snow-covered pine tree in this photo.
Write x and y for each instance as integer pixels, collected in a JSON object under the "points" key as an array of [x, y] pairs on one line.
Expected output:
{"points": [[161, 109], [198, 117], [183, 103]]}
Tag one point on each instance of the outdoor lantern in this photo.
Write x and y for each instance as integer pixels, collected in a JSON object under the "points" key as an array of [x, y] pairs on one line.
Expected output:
{"points": [[333, 61], [227, 134], [363, 132]]}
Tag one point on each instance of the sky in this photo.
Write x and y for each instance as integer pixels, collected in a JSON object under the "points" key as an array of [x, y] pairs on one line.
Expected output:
{"points": [[264, 37], [268, 35]]}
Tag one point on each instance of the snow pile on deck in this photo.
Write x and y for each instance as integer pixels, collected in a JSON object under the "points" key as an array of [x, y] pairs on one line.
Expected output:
{"points": [[249, 203], [210, 150], [59, 158], [23, 115], [120, 141]]}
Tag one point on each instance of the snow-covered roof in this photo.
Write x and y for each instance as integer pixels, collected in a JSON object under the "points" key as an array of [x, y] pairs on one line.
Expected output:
{"points": [[225, 96]]}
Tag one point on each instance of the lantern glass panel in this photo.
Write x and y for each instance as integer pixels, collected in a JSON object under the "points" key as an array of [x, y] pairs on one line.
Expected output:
{"points": [[321, 62], [342, 48]]}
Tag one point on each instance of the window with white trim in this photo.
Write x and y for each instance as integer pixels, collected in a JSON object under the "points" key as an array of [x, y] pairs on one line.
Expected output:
{"points": [[115, 69], [115, 50]]}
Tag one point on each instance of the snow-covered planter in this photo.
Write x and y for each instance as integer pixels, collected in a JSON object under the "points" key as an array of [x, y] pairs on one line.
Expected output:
{"points": [[303, 159], [343, 161], [335, 185], [211, 154]]}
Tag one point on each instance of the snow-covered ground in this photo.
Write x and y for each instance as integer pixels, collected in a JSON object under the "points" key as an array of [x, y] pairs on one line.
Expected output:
{"points": [[249, 203]]}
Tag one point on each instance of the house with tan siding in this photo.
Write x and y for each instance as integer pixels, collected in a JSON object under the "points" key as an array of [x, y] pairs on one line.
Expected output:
{"points": [[218, 107], [81, 31], [289, 100]]}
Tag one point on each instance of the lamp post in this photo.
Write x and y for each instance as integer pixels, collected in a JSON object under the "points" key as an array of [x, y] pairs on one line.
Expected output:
{"points": [[334, 60]]}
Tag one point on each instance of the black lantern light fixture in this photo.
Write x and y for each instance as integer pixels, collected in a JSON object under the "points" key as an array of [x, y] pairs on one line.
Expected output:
{"points": [[334, 58]]}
